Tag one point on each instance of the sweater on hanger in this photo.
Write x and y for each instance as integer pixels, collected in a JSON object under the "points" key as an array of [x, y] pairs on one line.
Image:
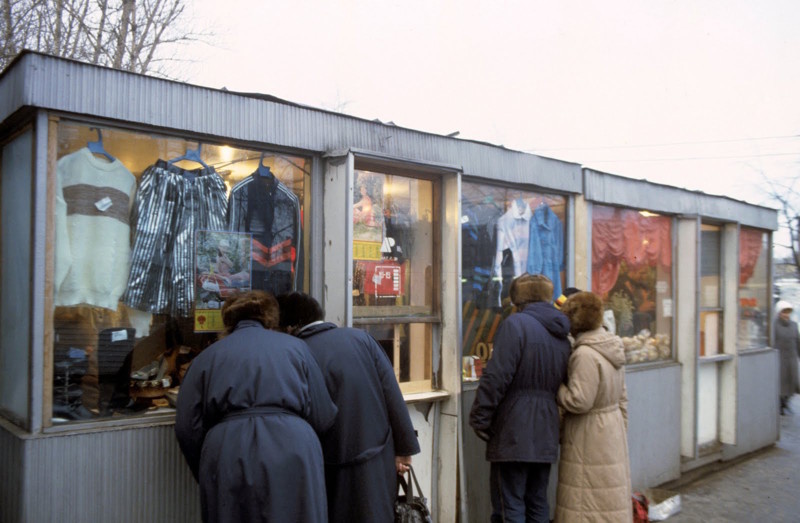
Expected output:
{"points": [[92, 240]]}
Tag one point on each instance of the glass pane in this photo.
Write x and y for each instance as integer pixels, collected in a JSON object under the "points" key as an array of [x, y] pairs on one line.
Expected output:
{"points": [[753, 288], [149, 243], [393, 251], [632, 273], [505, 232], [710, 257], [409, 346], [16, 173]]}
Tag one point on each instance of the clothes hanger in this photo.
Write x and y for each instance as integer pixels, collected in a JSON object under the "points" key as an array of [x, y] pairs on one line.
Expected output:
{"points": [[264, 170], [97, 147], [191, 155]]}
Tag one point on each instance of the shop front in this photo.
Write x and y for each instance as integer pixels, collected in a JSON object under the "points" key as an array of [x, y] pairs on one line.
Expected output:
{"points": [[132, 207]]}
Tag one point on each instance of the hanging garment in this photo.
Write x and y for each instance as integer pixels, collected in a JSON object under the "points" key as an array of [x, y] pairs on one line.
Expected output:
{"points": [[93, 204], [513, 230], [266, 208], [478, 229], [546, 246], [172, 204]]}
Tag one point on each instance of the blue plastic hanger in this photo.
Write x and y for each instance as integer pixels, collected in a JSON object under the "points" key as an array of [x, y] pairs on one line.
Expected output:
{"points": [[264, 170], [97, 147], [191, 155]]}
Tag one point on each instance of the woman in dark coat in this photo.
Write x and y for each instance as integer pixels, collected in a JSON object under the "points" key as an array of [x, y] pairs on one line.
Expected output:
{"points": [[515, 405], [248, 414], [372, 439], [787, 341]]}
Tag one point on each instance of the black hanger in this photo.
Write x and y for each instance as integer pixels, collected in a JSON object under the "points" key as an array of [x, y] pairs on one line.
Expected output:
{"points": [[97, 147], [191, 155], [263, 170]]}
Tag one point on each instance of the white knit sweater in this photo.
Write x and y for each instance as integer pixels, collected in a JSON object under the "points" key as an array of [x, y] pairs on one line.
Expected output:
{"points": [[93, 203]]}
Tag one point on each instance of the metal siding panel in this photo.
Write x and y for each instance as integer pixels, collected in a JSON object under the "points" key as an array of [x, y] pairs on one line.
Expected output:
{"points": [[128, 475], [640, 194], [11, 476], [86, 89]]}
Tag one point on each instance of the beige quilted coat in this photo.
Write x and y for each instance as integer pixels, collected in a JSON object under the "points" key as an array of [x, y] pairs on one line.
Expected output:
{"points": [[594, 471]]}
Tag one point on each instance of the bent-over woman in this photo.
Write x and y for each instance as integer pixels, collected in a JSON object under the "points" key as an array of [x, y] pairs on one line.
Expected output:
{"points": [[248, 414]]}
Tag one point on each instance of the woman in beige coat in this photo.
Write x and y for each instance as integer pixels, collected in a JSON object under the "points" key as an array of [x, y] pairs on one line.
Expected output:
{"points": [[594, 471]]}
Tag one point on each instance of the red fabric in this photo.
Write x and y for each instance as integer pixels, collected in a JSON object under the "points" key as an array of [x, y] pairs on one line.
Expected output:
{"points": [[750, 243], [625, 235]]}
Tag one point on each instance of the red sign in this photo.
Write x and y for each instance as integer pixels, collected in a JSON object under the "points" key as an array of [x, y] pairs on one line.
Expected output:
{"points": [[383, 278]]}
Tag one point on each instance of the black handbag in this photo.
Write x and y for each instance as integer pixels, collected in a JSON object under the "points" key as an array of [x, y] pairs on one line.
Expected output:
{"points": [[409, 508]]}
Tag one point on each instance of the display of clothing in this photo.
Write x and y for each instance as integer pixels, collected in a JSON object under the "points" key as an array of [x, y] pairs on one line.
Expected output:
{"points": [[267, 209], [546, 246], [478, 230], [92, 238], [513, 231], [171, 205]]}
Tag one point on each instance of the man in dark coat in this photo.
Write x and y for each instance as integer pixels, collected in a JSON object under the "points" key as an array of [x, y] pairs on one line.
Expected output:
{"points": [[248, 414], [515, 408], [372, 439]]}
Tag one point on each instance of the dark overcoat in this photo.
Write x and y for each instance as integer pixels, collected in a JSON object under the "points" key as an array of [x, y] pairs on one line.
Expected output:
{"points": [[373, 425], [787, 341], [248, 414], [516, 399]]}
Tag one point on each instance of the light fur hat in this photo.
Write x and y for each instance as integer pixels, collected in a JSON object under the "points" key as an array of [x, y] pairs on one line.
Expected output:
{"points": [[783, 305]]}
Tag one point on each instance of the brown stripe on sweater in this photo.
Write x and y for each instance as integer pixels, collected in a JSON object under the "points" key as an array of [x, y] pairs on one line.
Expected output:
{"points": [[81, 199]]}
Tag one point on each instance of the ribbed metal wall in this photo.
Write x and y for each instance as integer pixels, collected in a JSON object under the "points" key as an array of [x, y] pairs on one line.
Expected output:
{"points": [[126, 475], [52, 83], [11, 476], [639, 194]]}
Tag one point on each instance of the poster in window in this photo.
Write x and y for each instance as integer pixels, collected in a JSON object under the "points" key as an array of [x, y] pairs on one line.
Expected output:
{"points": [[368, 207], [222, 268]]}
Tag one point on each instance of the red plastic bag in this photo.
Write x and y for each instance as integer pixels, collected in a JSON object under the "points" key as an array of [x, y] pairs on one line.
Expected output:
{"points": [[640, 508]]}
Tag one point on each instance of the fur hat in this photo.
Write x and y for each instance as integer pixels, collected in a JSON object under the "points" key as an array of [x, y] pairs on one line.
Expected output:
{"points": [[529, 288], [585, 312]]}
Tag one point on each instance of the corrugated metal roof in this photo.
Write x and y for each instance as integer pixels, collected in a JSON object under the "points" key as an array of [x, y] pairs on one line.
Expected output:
{"points": [[64, 85], [612, 189]]}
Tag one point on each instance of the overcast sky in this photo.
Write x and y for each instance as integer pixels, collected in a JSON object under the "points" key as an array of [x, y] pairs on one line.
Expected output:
{"points": [[700, 94]]}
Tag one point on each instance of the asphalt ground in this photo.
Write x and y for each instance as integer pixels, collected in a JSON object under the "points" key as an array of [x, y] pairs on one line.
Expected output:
{"points": [[763, 488]]}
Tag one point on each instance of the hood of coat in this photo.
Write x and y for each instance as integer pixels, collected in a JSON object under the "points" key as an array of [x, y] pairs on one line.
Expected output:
{"points": [[314, 328], [608, 345], [555, 321]]}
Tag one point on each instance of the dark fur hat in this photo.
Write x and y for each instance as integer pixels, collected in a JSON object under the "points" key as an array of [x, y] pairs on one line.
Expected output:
{"points": [[585, 312], [529, 288]]}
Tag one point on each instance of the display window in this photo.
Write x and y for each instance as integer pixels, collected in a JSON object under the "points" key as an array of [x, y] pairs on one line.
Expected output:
{"points": [[505, 232], [753, 328], [395, 269], [151, 234], [632, 273], [710, 290]]}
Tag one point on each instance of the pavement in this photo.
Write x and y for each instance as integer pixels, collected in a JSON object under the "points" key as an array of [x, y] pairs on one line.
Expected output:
{"points": [[764, 487]]}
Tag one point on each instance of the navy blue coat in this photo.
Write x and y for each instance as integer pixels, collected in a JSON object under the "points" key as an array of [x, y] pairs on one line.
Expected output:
{"points": [[248, 414], [373, 425], [516, 399]]}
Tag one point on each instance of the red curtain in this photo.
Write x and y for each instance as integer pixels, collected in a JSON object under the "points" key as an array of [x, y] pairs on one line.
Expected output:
{"points": [[624, 234], [750, 243]]}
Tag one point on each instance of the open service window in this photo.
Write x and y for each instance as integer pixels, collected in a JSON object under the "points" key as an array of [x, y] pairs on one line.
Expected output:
{"points": [[152, 233], [396, 269]]}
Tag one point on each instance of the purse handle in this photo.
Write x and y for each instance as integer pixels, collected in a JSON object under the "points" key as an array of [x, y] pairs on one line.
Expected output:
{"points": [[407, 486]]}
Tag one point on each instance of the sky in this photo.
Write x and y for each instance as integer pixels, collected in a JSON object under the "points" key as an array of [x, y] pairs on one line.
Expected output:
{"points": [[700, 94]]}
